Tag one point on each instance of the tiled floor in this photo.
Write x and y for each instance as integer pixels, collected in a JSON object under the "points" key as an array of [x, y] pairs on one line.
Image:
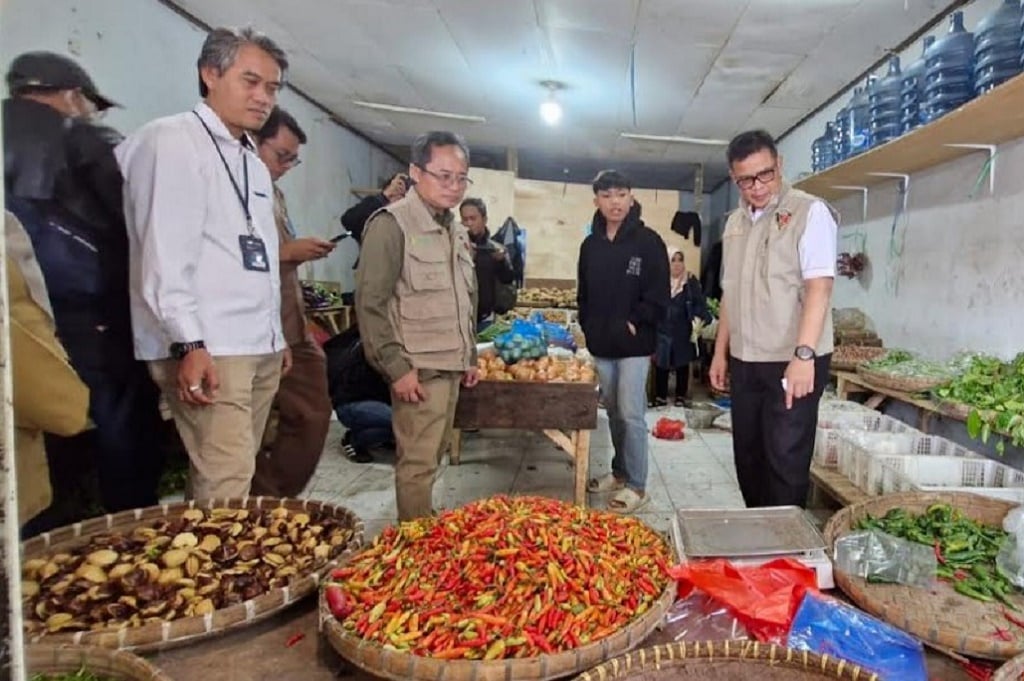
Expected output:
{"points": [[696, 472]]}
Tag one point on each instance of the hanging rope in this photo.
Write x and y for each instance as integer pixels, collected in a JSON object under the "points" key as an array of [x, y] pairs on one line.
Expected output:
{"points": [[897, 240]]}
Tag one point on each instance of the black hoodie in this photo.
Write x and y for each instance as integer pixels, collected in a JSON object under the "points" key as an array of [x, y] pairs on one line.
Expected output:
{"points": [[619, 282]]}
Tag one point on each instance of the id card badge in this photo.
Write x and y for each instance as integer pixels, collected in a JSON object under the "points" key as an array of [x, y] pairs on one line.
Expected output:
{"points": [[254, 253]]}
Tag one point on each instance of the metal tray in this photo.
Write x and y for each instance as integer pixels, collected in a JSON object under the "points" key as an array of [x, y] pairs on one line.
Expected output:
{"points": [[723, 533]]}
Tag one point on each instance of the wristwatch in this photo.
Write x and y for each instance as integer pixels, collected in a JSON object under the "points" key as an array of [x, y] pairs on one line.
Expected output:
{"points": [[804, 352], [179, 350]]}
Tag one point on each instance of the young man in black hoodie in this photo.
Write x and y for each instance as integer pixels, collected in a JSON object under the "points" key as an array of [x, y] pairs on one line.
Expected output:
{"points": [[623, 292]]}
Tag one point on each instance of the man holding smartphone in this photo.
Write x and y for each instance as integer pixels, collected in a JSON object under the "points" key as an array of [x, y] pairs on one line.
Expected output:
{"points": [[289, 455]]}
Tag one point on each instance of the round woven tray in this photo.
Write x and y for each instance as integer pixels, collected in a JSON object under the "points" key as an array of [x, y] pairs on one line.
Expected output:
{"points": [[956, 410], [838, 364], [162, 635], [937, 615], [725, 661], [401, 666], [117, 665], [906, 384], [1011, 671]]}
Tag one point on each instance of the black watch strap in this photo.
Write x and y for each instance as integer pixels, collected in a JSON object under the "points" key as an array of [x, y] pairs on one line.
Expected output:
{"points": [[804, 352], [179, 350]]}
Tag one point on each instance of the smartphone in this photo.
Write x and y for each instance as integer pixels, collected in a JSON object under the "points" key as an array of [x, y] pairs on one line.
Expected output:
{"points": [[340, 237]]}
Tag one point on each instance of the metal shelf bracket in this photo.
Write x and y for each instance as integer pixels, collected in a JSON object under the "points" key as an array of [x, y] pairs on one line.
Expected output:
{"points": [[991, 149], [864, 197]]}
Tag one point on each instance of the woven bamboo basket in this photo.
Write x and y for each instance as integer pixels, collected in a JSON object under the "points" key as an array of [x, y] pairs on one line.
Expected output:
{"points": [[116, 665], [725, 661], [905, 384], [839, 364], [1011, 671], [169, 634], [402, 666], [937, 615]]}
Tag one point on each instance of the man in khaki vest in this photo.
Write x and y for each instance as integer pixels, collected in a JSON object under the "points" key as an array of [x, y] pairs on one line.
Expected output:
{"points": [[416, 305], [775, 332]]}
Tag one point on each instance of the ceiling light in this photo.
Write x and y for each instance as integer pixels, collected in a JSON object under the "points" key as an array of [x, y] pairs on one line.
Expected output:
{"points": [[550, 109], [420, 112], [678, 139]]}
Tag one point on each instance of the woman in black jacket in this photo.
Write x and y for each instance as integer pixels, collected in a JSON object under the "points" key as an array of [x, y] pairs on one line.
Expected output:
{"points": [[675, 350]]}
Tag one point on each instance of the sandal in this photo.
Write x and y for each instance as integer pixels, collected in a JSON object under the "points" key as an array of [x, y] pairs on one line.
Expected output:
{"points": [[628, 500], [660, 402], [606, 483], [680, 402]]}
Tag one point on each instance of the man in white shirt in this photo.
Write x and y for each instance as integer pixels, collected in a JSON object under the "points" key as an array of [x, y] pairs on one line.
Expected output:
{"points": [[775, 328], [205, 286]]}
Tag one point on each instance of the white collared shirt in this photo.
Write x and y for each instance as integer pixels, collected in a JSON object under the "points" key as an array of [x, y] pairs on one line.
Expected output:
{"points": [[184, 219], [817, 244]]}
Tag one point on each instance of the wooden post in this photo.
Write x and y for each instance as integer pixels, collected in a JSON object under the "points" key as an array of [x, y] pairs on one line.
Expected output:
{"points": [[581, 459], [455, 448]]}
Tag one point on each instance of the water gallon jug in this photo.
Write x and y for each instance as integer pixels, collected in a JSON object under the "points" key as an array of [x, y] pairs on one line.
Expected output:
{"points": [[884, 104], [912, 90], [948, 71], [822, 155], [860, 122], [841, 137], [997, 46]]}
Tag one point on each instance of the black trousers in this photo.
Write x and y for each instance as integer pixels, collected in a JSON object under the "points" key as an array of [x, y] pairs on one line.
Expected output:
{"points": [[772, 445], [661, 381]]}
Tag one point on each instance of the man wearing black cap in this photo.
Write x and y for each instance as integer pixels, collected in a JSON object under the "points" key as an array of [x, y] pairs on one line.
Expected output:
{"points": [[63, 182]]}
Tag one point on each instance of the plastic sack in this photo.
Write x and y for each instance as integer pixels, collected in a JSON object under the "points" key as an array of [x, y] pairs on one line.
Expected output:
{"points": [[698, 617], [669, 429], [524, 341], [880, 557], [764, 598], [824, 625], [1010, 559]]}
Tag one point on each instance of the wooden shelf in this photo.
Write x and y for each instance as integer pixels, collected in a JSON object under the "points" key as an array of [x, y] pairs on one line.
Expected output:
{"points": [[992, 118]]}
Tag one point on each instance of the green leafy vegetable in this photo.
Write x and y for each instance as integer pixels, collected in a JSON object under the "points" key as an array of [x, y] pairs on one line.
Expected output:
{"points": [[995, 392], [81, 675]]}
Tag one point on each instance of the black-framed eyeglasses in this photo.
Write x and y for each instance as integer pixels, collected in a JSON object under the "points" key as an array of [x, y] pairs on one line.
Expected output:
{"points": [[285, 158], [448, 179], [748, 181]]}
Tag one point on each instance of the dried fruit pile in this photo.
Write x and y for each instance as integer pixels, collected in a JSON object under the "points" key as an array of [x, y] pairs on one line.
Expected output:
{"points": [[191, 565], [506, 577]]}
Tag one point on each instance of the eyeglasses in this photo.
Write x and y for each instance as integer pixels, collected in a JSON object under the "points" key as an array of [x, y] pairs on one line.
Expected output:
{"points": [[448, 179], [285, 158], [748, 181]]}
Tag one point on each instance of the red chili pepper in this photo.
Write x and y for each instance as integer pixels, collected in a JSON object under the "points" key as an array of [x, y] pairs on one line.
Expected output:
{"points": [[1012, 619], [337, 601], [294, 639], [938, 553]]}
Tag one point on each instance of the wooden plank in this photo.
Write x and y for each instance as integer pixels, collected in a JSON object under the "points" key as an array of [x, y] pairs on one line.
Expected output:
{"points": [[528, 406], [564, 442], [581, 461], [847, 382], [836, 485], [992, 118]]}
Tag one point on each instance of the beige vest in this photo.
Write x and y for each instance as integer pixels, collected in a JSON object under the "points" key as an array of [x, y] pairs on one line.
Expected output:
{"points": [[762, 284], [432, 309]]}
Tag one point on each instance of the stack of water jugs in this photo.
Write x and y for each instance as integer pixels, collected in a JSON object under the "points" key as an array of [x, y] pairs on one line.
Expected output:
{"points": [[952, 70]]}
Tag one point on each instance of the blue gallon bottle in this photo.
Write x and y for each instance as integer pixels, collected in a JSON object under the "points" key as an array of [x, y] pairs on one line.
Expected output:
{"points": [[912, 90], [948, 71], [997, 46], [860, 121], [884, 104], [822, 155], [841, 130]]}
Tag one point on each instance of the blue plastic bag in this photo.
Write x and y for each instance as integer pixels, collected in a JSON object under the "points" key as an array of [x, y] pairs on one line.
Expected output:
{"points": [[826, 626], [525, 340]]}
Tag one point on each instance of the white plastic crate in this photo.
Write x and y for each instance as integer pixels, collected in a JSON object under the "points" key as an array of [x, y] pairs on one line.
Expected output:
{"points": [[831, 424], [860, 451], [916, 471], [987, 484], [832, 404]]}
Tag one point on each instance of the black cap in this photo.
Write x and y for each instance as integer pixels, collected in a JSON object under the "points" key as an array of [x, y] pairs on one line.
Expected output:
{"points": [[51, 70]]}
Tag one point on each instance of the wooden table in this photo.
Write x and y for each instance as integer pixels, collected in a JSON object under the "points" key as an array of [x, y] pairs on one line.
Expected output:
{"points": [[834, 485], [564, 412], [848, 382], [334, 319]]}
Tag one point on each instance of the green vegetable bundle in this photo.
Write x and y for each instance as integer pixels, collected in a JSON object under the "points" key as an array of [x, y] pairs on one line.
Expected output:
{"points": [[904, 363], [81, 675], [493, 331], [995, 392], [965, 549]]}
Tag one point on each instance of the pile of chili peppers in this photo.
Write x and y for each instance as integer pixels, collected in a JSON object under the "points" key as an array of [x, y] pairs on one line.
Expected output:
{"points": [[505, 577]]}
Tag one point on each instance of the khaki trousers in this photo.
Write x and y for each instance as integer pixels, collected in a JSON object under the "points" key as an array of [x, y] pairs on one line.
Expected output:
{"points": [[222, 438], [422, 433], [290, 455]]}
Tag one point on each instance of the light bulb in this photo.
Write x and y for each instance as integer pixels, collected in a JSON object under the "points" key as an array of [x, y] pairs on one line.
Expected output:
{"points": [[550, 111]]}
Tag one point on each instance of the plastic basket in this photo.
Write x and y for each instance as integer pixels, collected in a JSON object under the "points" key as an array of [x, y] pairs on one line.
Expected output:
{"points": [[832, 424], [997, 482], [831, 404], [862, 456]]}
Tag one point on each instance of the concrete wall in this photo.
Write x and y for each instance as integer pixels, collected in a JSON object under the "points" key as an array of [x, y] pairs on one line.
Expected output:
{"points": [[143, 55]]}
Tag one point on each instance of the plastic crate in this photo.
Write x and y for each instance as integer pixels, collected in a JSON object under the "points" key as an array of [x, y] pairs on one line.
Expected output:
{"points": [[831, 424], [861, 454], [989, 484], [828, 404], [883, 473]]}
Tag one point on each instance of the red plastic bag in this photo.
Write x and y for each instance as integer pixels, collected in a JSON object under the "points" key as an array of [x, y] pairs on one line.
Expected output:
{"points": [[669, 429], [764, 598]]}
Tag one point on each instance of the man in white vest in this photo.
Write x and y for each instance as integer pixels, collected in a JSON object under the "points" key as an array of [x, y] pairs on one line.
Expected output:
{"points": [[775, 331]]}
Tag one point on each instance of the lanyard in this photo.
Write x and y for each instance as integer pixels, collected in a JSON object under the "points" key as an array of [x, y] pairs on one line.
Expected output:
{"points": [[243, 198]]}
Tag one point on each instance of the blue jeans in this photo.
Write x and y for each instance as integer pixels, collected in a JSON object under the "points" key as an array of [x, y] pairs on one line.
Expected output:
{"points": [[369, 423], [624, 392]]}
